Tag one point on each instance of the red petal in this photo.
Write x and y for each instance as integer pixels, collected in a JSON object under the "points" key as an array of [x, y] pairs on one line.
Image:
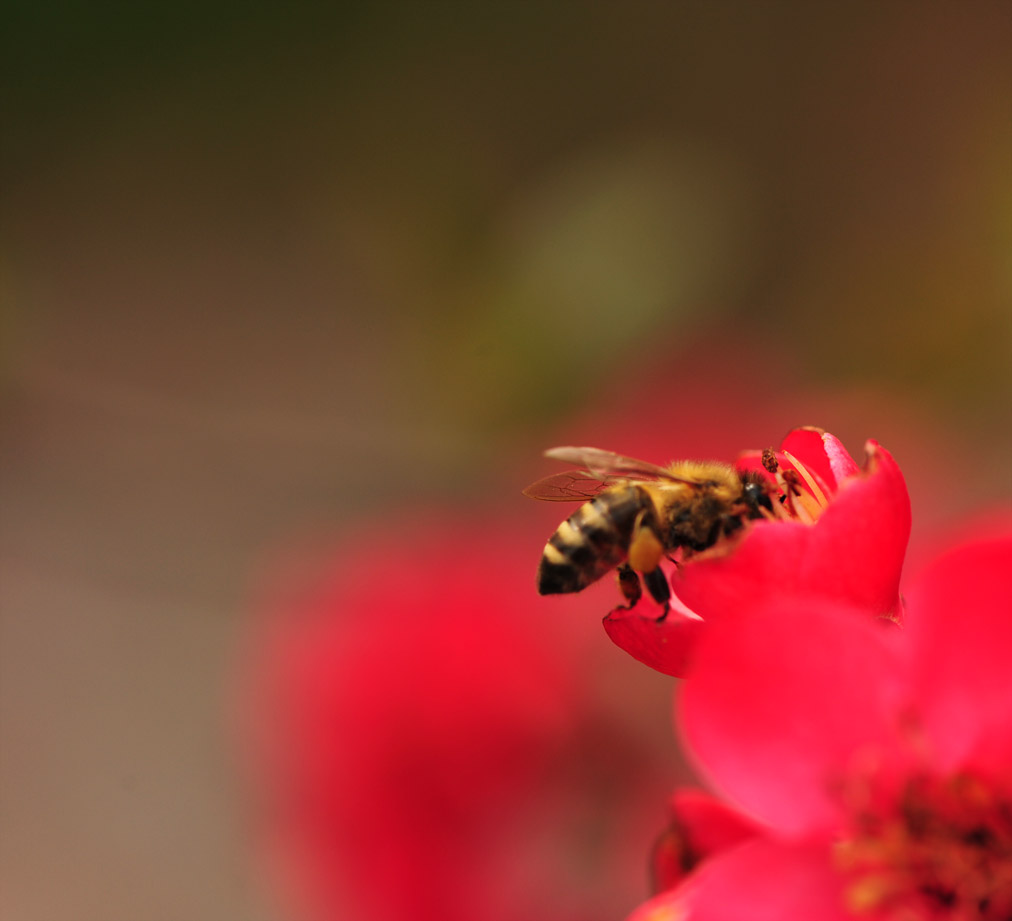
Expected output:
{"points": [[853, 553], [780, 702], [762, 880], [821, 453], [840, 461], [711, 824], [700, 827], [961, 627], [664, 644]]}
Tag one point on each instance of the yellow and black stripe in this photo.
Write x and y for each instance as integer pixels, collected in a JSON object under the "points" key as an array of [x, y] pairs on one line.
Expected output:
{"points": [[592, 541]]}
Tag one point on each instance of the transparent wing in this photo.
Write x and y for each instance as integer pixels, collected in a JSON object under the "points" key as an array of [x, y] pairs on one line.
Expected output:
{"points": [[604, 464], [571, 486], [600, 469]]}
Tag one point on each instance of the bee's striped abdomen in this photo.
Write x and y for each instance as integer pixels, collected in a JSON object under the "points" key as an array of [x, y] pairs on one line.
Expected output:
{"points": [[592, 541]]}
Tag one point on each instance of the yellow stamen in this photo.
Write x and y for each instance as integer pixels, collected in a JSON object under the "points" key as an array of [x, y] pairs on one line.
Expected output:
{"points": [[869, 892], [943, 848], [820, 496], [791, 493], [809, 504], [666, 913]]}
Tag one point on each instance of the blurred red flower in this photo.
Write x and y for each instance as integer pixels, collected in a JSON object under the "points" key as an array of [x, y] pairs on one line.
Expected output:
{"points": [[429, 747], [699, 825], [841, 534], [874, 766]]}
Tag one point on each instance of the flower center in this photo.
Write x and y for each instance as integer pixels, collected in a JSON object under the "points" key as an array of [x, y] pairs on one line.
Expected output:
{"points": [[942, 850], [801, 496]]}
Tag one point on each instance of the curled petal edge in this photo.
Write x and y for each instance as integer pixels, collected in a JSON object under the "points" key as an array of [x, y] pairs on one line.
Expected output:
{"points": [[699, 826], [760, 879]]}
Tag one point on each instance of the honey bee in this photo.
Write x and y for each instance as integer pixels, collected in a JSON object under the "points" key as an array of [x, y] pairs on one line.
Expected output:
{"points": [[635, 513]]}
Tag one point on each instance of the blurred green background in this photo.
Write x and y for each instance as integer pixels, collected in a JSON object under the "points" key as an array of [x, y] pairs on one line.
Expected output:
{"points": [[264, 267]]}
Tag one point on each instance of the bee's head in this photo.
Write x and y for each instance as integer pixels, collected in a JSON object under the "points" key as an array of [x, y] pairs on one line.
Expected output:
{"points": [[755, 493]]}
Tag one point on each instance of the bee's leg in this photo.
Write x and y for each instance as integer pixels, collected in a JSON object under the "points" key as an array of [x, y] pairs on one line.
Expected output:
{"points": [[629, 585], [645, 553], [657, 584], [645, 547]]}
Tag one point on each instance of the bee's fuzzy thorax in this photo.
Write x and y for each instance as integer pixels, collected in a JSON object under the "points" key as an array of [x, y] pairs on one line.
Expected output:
{"points": [[705, 471]]}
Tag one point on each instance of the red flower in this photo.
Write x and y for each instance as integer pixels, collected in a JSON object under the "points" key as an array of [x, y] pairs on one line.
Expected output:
{"points": [[840, 534], [877, 764], [427, 746]]}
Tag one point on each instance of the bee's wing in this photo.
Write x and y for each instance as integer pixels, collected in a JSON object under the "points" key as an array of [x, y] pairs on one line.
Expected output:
{"points": [[571, 486], [604, 464], [601, 469]]}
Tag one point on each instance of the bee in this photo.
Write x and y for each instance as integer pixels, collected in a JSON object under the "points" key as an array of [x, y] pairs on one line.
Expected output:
{"points": [[635, 513]]}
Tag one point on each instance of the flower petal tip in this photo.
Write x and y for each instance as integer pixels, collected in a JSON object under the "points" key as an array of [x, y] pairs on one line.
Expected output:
{"points": [[663, 642]]}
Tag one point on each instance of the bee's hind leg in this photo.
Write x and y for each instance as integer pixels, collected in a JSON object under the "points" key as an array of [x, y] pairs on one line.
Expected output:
{"points": [[645, 553], [657, 584], [629, 585]]}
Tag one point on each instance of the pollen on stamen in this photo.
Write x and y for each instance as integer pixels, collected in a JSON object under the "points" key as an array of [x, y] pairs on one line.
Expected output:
{"points": [[942, 850]]}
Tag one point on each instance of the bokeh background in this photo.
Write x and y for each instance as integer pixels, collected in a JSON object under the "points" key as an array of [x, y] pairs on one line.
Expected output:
{"points": [[269, 272]]}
